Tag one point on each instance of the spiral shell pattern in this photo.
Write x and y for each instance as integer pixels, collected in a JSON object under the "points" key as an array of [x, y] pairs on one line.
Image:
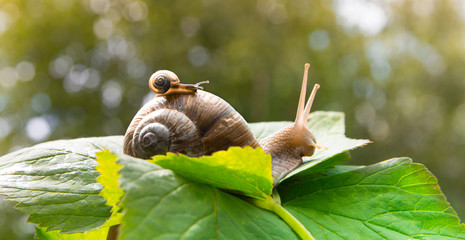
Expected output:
{"points": [[192, 124]]}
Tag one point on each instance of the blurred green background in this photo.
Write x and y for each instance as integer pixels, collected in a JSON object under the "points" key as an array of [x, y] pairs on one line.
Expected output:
{"points": [[396, 68]]}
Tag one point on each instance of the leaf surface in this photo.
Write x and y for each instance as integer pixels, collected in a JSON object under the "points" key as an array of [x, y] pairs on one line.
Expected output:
{"points": [[394, 199], [161, 205], [244, 170], [97, 234], [55, 182]]}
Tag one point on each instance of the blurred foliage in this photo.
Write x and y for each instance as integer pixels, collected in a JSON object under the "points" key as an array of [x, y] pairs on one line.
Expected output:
{"points": [[73, 68]]}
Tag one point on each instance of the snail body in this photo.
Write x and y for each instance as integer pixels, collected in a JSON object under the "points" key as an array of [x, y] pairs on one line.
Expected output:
{"points": [[184, 119]]}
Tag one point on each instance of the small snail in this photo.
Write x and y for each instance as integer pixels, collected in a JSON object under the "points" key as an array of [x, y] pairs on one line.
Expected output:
{"points": [[184, 119], [165, 82]]}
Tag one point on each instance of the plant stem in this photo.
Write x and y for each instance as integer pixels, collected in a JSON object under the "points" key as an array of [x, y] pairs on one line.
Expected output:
{"points": [[113, 232], [293, 223], [271, 205]]}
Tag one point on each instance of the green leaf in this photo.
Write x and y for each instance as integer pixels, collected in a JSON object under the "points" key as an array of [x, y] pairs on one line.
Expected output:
{"points": [[340, 169], [97, 234], [55, 182], [245, 170], [329, 131], [108, 168], [161, 205], [394, 199]]}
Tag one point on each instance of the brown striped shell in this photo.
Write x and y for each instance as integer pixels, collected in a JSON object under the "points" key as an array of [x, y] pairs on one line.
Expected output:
{"points": [[193, 124]]}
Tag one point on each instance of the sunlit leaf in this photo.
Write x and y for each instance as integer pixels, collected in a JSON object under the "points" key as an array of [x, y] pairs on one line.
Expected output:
{"points": [[108, 168], [394, 199], [245, 170], [97, 234]]}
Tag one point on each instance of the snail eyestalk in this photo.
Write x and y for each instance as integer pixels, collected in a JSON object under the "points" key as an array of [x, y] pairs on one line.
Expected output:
{"points": [[302, 113], [197, 85], [303, 135], [310, 102], [300, 106], [188, 88]]}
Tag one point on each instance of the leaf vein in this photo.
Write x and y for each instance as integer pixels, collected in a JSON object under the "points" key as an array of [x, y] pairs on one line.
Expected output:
{"points": [[356, 219], [311, 219], [410, 173], [156, 204], [50, 191]]}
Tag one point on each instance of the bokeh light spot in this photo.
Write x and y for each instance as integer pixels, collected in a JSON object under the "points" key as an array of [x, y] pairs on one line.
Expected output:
{"points": [[378, 98], [76, 79], [40, 102], [365, 114], [8, 77], [26, 71], [5, 127], [198, 56], [99, 6], [277, 14], [423, 8], [119, 47], [379, 129], [93, 80], [380, 70], [136, 11], [136, 68], [319, 39], [38, 129], [111, 94], [60, 67], [348, 65], [362, 87], [190, 26], [103, 28], [366, 16], [3, 22]]}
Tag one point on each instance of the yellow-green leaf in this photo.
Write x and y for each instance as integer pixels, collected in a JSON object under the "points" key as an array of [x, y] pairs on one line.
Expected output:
{"points": [[97, 234], [245, 170], [108, 168]]}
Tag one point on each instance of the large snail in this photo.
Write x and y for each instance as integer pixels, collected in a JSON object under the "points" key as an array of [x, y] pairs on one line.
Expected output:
{"points": [[184, 119]]}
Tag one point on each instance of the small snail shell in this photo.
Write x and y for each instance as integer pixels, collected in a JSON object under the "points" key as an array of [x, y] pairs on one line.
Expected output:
{"points": [[184, 119], [193, 124]]}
